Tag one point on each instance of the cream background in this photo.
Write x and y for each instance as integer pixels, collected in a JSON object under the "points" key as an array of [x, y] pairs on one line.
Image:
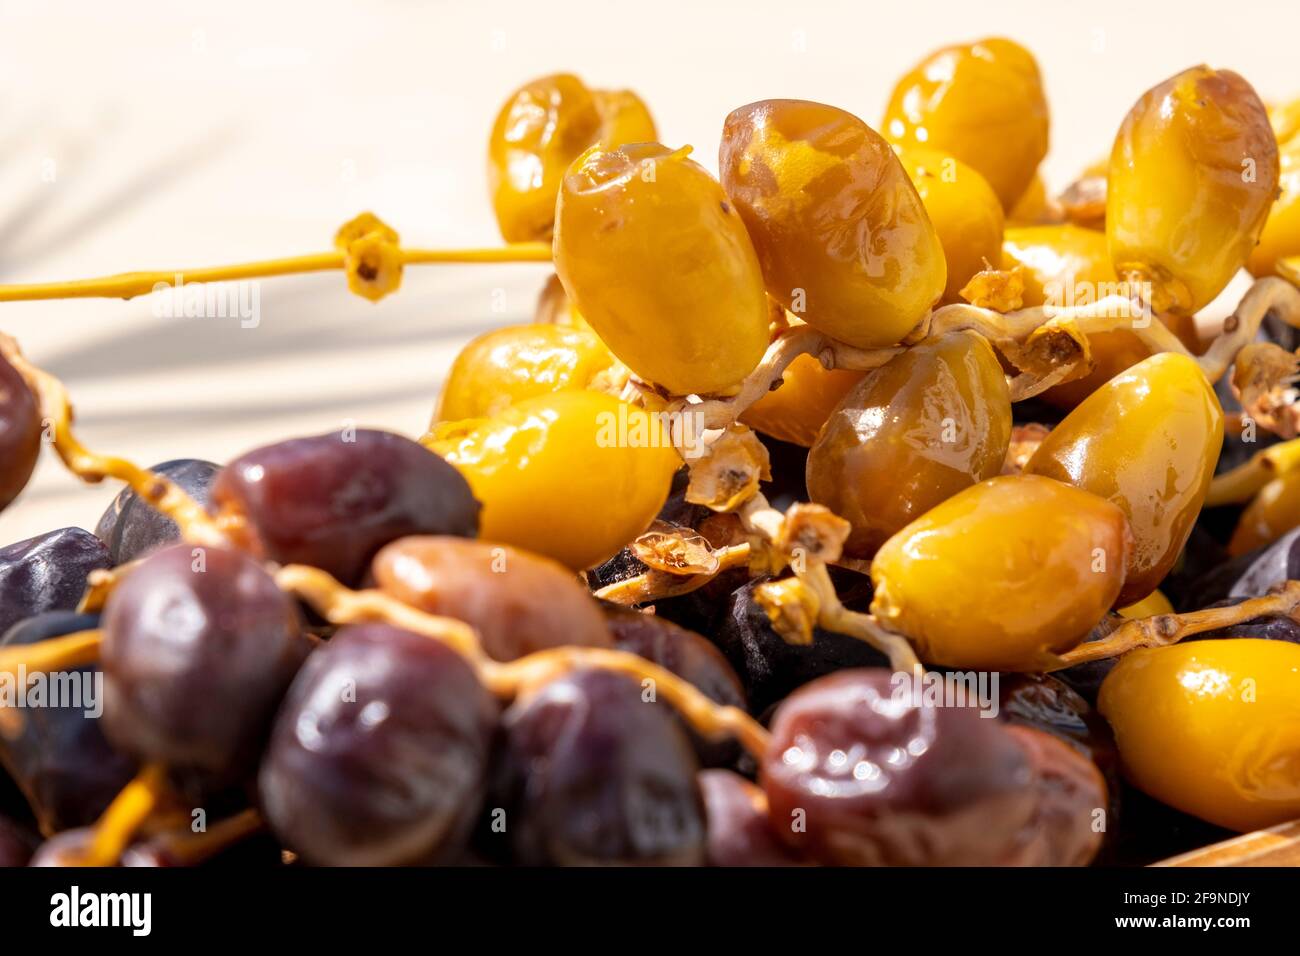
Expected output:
{"points": [[184, 134]]}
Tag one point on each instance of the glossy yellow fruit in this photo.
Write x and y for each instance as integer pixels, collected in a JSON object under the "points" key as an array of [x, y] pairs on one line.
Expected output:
{"points": [[1211, 728], [1003, 574], [1068, 265], [964, 210], [1273, 512], [1281, 235], [983, 103], [1147, 440], [843, 237], [624, 118], [1153, 604], [924, 426], [574, 475], [1192, 175], [1285, 118], [1034, 207], [505, 366], [540, 130], [555, 308], [659, 263], [796, 411]]}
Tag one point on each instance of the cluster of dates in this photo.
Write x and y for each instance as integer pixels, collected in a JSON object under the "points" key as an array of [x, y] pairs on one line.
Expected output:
{"points": [[994, 537]]}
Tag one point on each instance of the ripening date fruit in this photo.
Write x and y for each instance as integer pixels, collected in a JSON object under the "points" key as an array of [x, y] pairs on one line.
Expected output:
{"points": [[1281, 235], [518, 602], [379, 754], [739, 830], [1273, 512], [47, 573], [856, 777], [573, 475], [843, 237], [930, 422], [1049, 560], [507, 365], [964, 210], [541, 129], [199, 646], [20, 432], [796, 411], [1068, 265], [1148, 441], [659, 263], [1034, 207], [1212, 728], [1192, 175], [59, 757], [333, 500], [1285, 117], [1072, 800], [690, 656], [592, 772], [132, 528], [983, 103], [624, 118]]}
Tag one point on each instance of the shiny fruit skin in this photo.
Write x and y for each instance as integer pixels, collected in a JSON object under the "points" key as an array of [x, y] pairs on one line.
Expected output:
{"points": [[539, 131], [659, 263], [1071, 793], [683, 652], [1003, 573], [690, 656], [796, 411], [843, 237], [624, 118], [199, 646], [1273, 512], [1034, 207], [60, 758], [508, 365], [1153, 604], [964, 210], [544, 126], [1212, 728], [131, 528], [590, 773], [930, 422], [983, 103], [555, 477], [1179, 214], [333, 500], [518, 602], [1065, 264], [1281, 235], [877, 781], [554, 307], [1285, 117], [20, 432], [379, 754], [739, 831], [47, 573], [1148, 441]]}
